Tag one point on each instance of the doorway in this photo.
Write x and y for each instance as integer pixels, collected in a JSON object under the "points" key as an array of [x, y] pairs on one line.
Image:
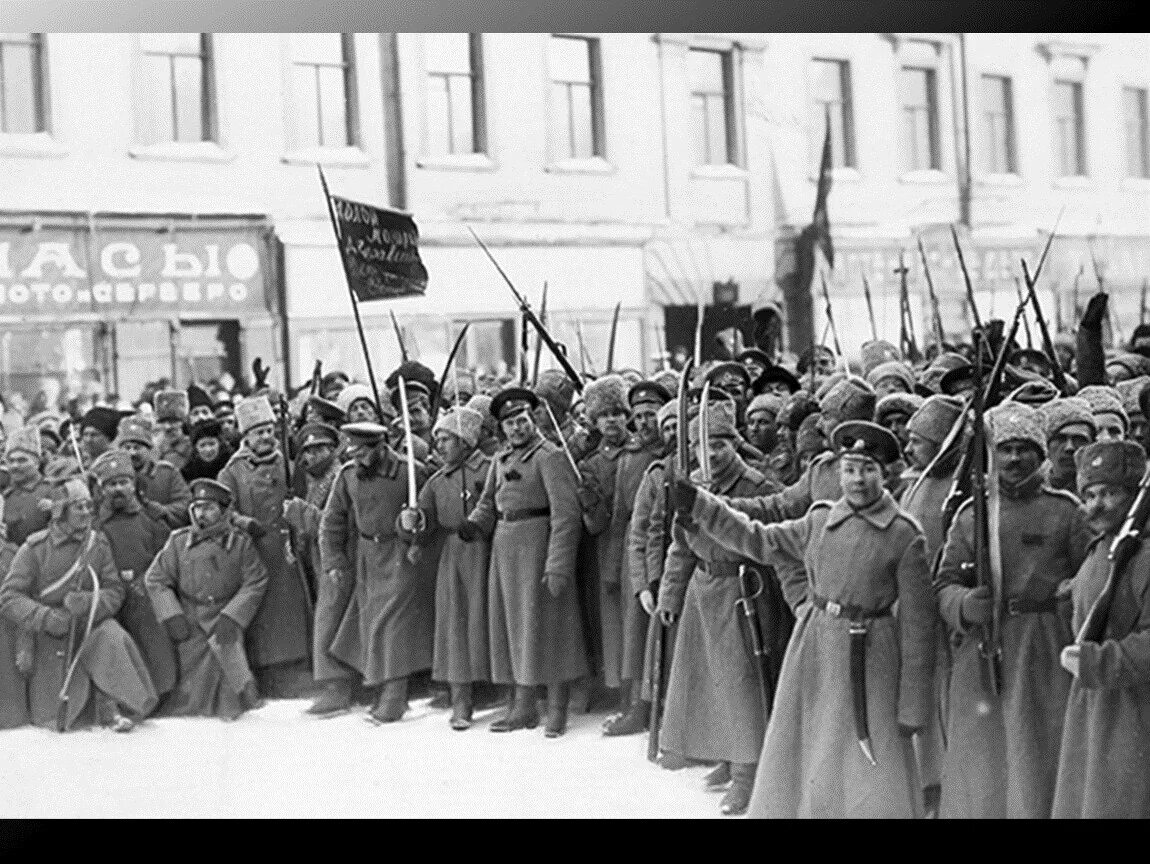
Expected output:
{"points": [[680, 322]]}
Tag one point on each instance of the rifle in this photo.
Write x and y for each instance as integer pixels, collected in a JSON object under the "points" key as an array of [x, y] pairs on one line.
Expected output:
{"points": [[989, 651], [966, 279], [291, 541], [1124, 547], [1142, 301], [933, 297], [398, 336], [1047, 342], [683, 457], [539, 341], [1025, 321], [831, 315], [584, 354], [869, 307], [530, 317], [611, 341], [909, 344], [449, 366]]}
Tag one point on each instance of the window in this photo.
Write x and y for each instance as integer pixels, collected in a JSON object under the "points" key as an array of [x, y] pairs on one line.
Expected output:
{"points": [[920, 145], [1137, 133], [576, 98], [1069, 129], [713, 107], [831, 94], [323, 86], [998, 125], [21, 83], [455, 119], [177, 90]]}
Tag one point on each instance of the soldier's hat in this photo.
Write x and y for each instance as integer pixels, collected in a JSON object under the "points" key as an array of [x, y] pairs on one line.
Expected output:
{"points": [[198, 397], [776, 374], [103, 419], [26, 440], [865, 439], [755, 354], [1116, 463], [206, 489], [207, 429], [112, 464], [254, 411], [808, 356], [313, 434], [171, 405], [953, 380], [729, 367], [328, 411], [1031, 354], [415, 390], [648, 393], [511, 400], [50, 434], [136, 428], [364, 432]]}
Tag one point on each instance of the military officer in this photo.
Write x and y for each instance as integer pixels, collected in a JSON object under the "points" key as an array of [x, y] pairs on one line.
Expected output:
{"points": [[171, 413], [163, 491]]}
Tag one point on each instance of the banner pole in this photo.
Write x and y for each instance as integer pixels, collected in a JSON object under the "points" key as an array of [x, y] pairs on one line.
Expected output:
{"points": [[351, 294]]}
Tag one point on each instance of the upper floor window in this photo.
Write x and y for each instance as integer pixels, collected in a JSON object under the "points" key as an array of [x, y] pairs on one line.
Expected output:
{"points": [[831, 97], [323, 89], [21, 83], [1137, 133], [576, 98], [455, 115], [918, 90], [998, 125], [713, 107], [1069, 129], [177, 87]]}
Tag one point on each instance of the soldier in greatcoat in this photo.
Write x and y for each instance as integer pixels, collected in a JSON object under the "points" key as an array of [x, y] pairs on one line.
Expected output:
{"points": [[714, 709], [853, 674], [13, 687], [50, 592], [1069, 426], [461, 656], [278, 639], [136, 538], [1106, 732], [385, 633], [530, 509], [26, 487], [172, 441], [1002, 752], [205, 587], [162, 490]]}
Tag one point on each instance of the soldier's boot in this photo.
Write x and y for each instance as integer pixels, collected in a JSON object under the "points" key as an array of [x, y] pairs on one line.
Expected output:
{"points": [[557, 696], [108, 713], [461, 707], [719, 777], [522, 714], [440, 697], [335, 698], [738, 797], [632, 722], [931, 798], [392, 702], [581, 696]]}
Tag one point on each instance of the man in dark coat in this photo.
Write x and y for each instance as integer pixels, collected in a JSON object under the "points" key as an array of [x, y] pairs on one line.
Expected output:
{"points": [[210, 452], [13, 687], [49, 592], [161, 488], [26, 487], [385, 633], [205, 586], [530, 509], [98, 431], [278, 639], [135, 538]]}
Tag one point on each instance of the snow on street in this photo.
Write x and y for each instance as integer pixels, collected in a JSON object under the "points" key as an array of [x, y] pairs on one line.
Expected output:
{"points": [[278, 762]]}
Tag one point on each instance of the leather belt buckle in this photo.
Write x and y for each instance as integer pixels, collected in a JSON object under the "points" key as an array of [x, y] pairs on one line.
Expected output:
{"points": [[1012, 606], [834, 608]]}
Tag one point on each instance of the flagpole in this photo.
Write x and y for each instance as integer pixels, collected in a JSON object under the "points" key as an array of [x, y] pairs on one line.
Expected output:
{"points": [[351, 294]]}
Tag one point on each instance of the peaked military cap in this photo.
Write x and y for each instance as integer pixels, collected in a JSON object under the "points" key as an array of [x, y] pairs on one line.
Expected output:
{"points": [[511, 401], [777, 374], [313, 434], [206, 489], [865, 439], [364, 432], [648, 393]]}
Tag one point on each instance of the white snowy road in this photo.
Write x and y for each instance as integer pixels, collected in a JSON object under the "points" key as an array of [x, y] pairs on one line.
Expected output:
{"points": [[277, 762]]}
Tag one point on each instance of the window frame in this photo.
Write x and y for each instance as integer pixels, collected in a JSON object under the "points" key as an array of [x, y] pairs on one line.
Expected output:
{"points": [[350, 97], [478, 94], [1143, 135], [849, 148], [1011, 168], [934, 121], [597, 161], [731, 126], [209, 130], [1078, 102], [41, 105]]}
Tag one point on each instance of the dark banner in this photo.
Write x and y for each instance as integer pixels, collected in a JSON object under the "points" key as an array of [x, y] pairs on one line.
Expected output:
{"points": [[380, 251]]}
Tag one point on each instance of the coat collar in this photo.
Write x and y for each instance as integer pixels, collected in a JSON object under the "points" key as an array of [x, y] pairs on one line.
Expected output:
{"points": [[107, 513], [58, 535], [726, 480], [879, 514], [474, 462], [217, 532], [1028, 488], [522, 454], [30, 485]]}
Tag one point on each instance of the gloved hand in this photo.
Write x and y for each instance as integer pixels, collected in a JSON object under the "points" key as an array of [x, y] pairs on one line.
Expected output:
{"points": [[668, 618], [555, 583], [78, 603], [259, 374], [468, 531], [683, 494], [227, 631], [335, 576], [589, 493], [905, 731], [56, 623], [410, 521], [1095, 312], [647, 601], [415, 555], [293, 512], [977, 605], [178, 628]]}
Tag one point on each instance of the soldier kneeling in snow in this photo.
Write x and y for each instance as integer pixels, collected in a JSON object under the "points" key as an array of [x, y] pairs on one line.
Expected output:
{"points": [[206, 585]]}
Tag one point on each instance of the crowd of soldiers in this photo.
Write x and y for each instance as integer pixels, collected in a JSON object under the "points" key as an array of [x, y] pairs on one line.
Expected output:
{"points": [[778, 588]]}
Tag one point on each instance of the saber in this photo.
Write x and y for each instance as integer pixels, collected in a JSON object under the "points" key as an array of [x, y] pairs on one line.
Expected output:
{"points": [[704, 438], [611, 341], [759, 655], [913, 777], [398, 335], [62, 707], [562, 440], [699, 313], [858, 634], [448, 366], [869, 307], [412, 503]]}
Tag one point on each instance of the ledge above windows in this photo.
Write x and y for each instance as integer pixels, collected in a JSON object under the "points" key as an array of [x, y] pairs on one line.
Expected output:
{"points": [[36, 145], [339, 157], [998, 180], [719, 172], [175, 151], [457, 162], [842, 174], [928, 177], [593, 165], [1076, 182]]}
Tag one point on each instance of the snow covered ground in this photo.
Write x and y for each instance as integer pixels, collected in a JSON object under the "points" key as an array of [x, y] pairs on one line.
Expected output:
{"points": [[278, 762]]}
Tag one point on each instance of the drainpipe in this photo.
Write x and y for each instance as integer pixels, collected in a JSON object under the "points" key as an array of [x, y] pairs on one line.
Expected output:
{"points": [[965, 182], [393, 121]]}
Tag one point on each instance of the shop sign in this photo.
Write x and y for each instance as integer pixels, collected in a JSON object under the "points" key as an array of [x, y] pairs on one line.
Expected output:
{"points": [[60, 271]]}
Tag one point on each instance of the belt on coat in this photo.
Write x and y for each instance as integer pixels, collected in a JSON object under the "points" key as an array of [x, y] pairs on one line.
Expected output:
{"points": [[377, 538], [520, 515], [1022, 606], [848, 611]]}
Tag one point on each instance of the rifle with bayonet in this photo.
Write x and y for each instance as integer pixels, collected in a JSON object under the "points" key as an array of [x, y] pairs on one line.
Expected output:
{"points": [[831, 316], [989, 650], [529, 316], [938, 334], [869, 307], [292, 550], [398, 336], [538, 339], [611, 340]]}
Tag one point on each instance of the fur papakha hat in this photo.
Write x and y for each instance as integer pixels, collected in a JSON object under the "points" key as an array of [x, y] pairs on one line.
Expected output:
{"points": [[462, 422], [606, 395]]}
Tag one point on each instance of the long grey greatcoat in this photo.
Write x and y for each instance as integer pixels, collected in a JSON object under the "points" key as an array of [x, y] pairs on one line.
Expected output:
{"points": [[647, 560], [461, 641], [109, 659], [535, 638], [1002, 754], [714, 708], [387, 628], [22, 513], [820, 482], [13, 687], [204, 575], [162, 483], [812, 765], [279, 633], [1102, 765]]}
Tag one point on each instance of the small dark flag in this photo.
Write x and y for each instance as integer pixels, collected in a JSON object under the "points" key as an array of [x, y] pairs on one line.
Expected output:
{"points": [[380, 250]]}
